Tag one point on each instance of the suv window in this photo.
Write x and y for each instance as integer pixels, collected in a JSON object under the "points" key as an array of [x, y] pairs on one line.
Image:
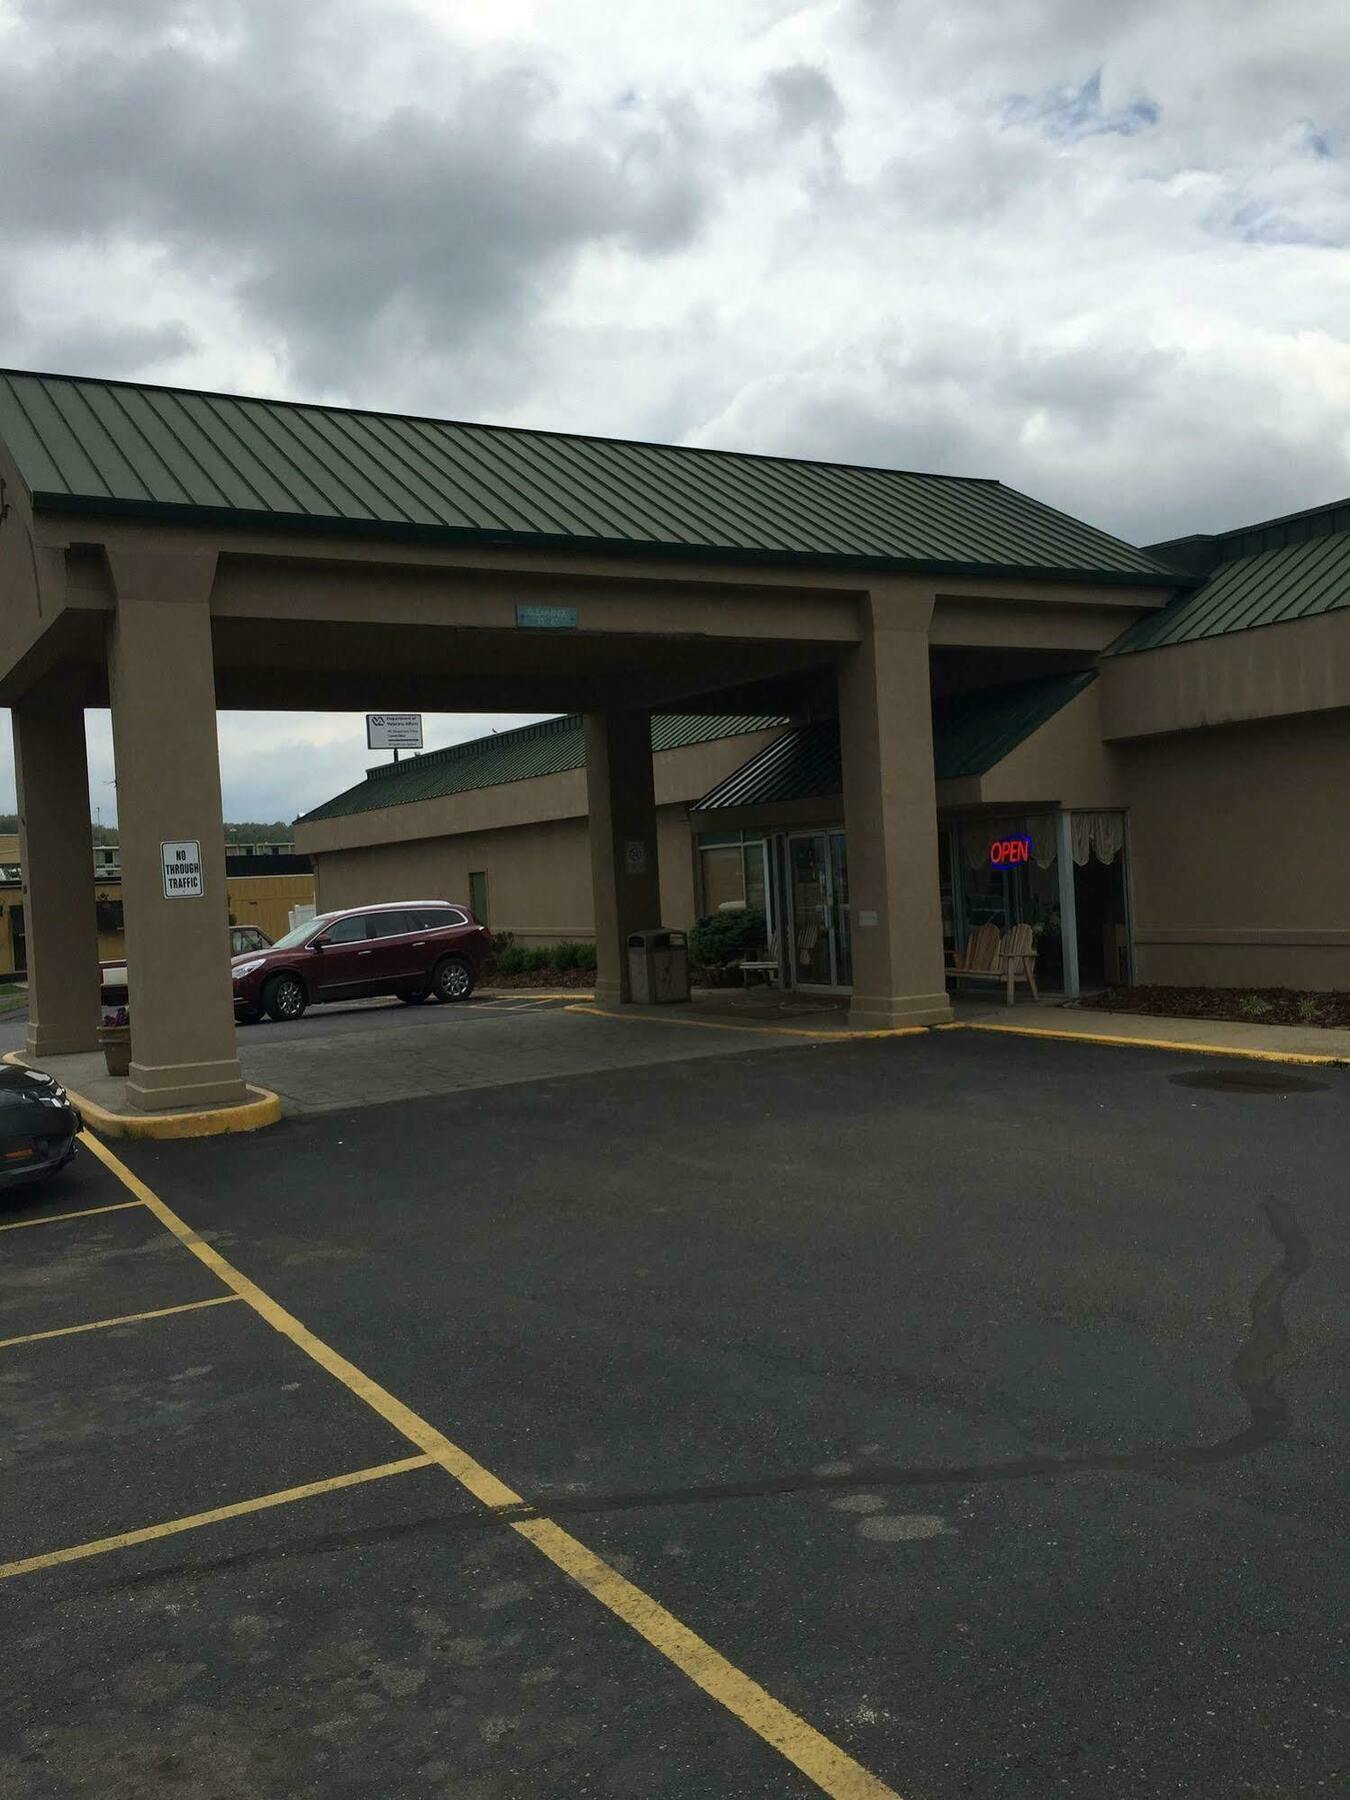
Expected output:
{"points": [[347, 931], [440, 918], [394, 924]]}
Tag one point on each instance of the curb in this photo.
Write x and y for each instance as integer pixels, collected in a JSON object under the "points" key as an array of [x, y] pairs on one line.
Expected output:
{"points": [[211, 1121], [1181, 1047]]}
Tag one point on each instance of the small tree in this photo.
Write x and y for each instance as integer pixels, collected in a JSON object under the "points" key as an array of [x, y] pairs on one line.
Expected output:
{"points": [[724, 937]]}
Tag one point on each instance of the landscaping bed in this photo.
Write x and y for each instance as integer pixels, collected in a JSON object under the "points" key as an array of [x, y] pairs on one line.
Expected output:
{"points": [[1251, 1006], [543, 978]]}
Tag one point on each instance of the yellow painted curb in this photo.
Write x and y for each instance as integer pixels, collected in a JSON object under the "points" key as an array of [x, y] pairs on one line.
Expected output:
{"points": [[837, 1037], [211, 1121], [1143, 1043]]}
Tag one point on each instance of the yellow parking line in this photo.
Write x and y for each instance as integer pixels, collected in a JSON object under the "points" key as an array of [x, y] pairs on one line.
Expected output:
{"points": [[86, 1212], [832, 1770], [148, 1533], [160, 1312], [826, 1033]]}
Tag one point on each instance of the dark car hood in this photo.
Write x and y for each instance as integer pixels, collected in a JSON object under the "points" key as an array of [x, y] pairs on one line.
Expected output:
{"points": [[28, 1088]]}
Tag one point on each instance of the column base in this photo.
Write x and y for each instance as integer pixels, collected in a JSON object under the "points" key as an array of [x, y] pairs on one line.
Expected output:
{"points": [[890, 1012], [609, 993], [169, 1087], [52, 1040]]}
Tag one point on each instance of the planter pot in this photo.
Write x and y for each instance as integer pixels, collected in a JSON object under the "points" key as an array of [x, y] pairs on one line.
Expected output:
{"points": [[116, 1045]]}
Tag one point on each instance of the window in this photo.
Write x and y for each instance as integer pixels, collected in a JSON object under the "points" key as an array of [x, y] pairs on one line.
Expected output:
{"points": [[734, 870], [394, 924], [348, 931], [478, 896], [440, 918], [108, 915]]}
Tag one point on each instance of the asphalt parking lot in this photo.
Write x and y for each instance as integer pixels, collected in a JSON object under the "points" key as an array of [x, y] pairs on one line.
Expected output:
{"points": [[939, 1416]]}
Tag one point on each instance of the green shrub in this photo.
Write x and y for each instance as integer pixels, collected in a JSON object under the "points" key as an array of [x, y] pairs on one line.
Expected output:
{"points": [[1254, 1006], [534, 959], [725, 937], [1309, 1009], [520, 959], [572, 955]]}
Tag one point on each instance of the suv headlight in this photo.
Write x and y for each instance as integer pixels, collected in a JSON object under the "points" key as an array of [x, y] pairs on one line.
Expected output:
{"points": [[248, 967]]}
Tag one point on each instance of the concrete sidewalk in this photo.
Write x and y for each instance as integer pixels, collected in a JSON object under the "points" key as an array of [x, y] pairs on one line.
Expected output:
{"points": [[1054, 1017]]}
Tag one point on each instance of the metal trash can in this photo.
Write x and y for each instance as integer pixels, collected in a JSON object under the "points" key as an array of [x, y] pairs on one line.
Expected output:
{"points": [[658, 967]]}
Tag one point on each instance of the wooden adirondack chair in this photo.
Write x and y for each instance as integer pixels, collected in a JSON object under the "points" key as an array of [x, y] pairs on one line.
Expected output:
{"points": [[767, 963], [989, 957]]}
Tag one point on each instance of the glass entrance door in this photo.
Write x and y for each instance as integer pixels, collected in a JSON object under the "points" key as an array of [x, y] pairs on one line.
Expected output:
{"points": [[822, 945]]}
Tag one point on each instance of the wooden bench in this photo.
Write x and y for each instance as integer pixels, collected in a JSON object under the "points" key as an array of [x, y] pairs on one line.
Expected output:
{"points": [[1007, 959]]}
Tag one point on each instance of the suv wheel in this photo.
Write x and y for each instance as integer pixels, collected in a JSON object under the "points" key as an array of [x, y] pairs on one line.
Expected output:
{"points": [[413, 996], [452, 980], [284, 998]]}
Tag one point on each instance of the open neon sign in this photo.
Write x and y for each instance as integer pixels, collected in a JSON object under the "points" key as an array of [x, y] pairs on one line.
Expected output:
{"points": [[1010, 852]]}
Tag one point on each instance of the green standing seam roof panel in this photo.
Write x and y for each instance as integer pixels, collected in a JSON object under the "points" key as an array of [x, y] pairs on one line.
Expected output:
{"points": [[1273, 587], [974, 732], [552, 747], [126, 447], [803, 764], [971, 734]]}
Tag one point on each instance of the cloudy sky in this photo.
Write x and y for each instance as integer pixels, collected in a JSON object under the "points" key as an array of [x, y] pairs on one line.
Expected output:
{"points": [[1095, 248]]}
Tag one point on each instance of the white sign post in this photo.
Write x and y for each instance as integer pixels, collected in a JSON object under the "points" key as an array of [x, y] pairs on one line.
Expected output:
{"points": [[393, 731], [181, 859]]}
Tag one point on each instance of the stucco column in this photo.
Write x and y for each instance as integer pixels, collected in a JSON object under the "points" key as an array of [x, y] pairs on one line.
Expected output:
{"points": [[625, 875], [890, 814], [162, 683], [52, 775]]}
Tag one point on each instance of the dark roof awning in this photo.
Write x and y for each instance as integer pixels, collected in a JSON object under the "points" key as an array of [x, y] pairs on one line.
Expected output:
{"points": [[971, 734], [1274, 587]]}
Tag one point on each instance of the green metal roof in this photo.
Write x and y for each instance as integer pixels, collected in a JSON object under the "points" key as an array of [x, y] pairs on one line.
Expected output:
{"points": [[125, 447], [803, 764], [1297, 581], [552, 747], [971, 734]]}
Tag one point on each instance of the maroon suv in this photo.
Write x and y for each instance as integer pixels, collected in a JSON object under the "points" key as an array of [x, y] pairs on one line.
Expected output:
{"points": [[416, 949]]}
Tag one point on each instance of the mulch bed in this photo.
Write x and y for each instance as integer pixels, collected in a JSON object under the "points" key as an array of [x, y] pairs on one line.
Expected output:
{"points": [[545, 978], [1250, 1006]]}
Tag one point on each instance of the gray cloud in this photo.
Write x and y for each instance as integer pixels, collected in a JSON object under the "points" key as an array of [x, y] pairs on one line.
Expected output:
{"points": [[803, 98], [106, 348], [340, 227]]}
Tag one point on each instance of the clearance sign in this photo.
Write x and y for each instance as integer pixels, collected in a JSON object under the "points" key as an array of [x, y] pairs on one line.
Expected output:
{"points": [[1010, 852]]}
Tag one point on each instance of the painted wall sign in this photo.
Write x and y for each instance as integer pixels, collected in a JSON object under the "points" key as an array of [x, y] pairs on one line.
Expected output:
{"points": [[393, 731], [181, 860], [1010, 852], [546, 618]]}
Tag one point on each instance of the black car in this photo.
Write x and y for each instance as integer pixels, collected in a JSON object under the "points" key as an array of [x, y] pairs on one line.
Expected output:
{"points": [[37, 1126]]}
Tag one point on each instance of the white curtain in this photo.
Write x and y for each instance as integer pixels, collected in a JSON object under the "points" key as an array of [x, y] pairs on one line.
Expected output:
{"points": [[1099, 833], [1041, 831]]}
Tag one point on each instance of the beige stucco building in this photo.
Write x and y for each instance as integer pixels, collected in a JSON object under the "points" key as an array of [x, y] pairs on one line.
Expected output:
{"points": [[169, 553], [1168, 787]]}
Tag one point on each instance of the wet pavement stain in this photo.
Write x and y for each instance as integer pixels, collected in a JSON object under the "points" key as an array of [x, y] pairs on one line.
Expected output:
{"points": [[1252, 1372], [1272, 1082]]}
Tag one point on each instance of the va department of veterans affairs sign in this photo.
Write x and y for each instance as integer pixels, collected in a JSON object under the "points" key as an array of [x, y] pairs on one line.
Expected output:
{"points": [[393, 731]]}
